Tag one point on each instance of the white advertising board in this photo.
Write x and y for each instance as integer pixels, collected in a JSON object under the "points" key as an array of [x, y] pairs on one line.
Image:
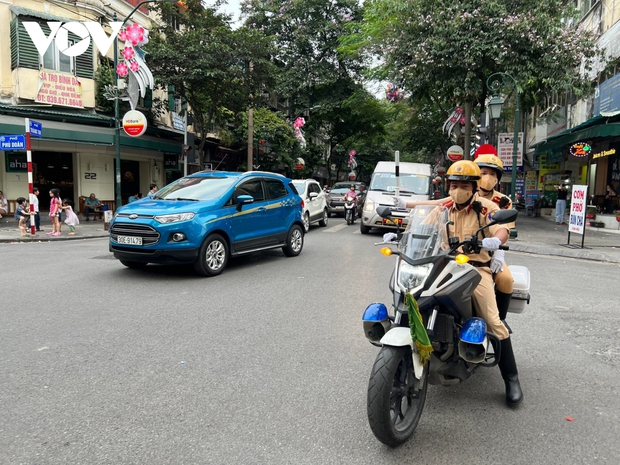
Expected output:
{"points": [[505, 147], [577, 218]]}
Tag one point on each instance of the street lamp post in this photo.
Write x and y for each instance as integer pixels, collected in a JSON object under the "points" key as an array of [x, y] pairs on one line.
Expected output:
{"points": [[117, 110], [494, 83]]}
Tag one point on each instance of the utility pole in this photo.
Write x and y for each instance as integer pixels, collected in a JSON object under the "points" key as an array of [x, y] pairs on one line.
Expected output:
{"points": [[251, 127]]}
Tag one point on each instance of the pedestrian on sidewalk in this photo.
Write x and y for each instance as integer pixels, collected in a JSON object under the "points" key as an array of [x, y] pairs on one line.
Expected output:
{"points": [[152, 190], [35, 208], [22, 214], [560, 204], [55, 212], [4, 205], [71, 218]]}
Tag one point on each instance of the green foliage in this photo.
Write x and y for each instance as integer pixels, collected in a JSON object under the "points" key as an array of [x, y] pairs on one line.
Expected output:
{"points": [[446, 50], [215, 68], [104, 77], [272, 134]]}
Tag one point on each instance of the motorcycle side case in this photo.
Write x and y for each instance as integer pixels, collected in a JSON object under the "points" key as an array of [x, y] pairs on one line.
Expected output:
{"points": [[521, 292]]}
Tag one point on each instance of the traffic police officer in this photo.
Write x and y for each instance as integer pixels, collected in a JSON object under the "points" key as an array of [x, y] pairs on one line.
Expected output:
{"points": [[468, 213], [491, 170]]}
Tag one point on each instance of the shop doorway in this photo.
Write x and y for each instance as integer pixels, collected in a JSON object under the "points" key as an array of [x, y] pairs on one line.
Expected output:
{"points": [[130, 179], [53, 170]]}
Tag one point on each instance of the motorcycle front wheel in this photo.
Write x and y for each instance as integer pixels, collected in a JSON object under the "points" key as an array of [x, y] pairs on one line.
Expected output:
{"points": [[395, 396]]}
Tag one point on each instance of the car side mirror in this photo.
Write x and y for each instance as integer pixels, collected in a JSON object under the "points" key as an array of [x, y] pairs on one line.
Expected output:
{"points": [[313, 195], [244, 199]]}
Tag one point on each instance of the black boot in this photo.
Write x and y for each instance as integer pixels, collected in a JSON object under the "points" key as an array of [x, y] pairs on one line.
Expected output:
{"points": [[508, 367], [503, 302]]}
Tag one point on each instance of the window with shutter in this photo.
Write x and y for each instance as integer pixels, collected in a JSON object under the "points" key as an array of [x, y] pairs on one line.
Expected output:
{"points": [[24, 54]]}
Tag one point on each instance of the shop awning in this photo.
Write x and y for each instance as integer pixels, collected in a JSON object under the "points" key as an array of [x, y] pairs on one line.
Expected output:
{"points": [[601, 126]]}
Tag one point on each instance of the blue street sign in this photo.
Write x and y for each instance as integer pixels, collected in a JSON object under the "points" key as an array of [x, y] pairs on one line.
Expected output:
{"points": [[36, 129], [16, 142]]}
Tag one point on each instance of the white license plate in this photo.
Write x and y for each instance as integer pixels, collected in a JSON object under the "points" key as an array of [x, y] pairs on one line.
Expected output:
{"points": [[129, 240]]}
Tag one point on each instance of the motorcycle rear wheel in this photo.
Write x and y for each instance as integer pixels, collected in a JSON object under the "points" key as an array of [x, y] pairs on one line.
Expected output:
{"points": [[395, 397]]}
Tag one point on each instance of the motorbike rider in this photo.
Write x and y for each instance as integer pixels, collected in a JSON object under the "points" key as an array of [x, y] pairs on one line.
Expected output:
{"points": [[468, 212], [491, 170], [351, 193]]}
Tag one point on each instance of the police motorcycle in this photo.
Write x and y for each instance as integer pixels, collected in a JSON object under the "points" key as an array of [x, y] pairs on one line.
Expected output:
{"points": [[431, 269], [349, 209]]}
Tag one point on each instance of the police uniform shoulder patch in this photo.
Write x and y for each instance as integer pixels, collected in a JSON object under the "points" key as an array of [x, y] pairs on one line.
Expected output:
{"points": [[484, 211], [497, 199]]}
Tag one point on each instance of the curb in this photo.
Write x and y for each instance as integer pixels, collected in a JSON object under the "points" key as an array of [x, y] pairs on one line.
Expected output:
{"points": [[48, 239], [568, 253]]}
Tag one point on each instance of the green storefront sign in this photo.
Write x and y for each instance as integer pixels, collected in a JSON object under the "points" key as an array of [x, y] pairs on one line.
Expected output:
{"points": [[16, 162]]}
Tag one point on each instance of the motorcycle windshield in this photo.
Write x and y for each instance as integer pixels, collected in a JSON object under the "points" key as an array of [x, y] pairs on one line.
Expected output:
{"points": [[426, 235]]}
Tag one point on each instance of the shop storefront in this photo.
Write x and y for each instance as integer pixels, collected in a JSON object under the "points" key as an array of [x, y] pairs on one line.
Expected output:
{"points": [[80, 159]]}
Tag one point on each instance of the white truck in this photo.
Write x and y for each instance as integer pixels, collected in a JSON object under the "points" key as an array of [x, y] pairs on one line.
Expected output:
{"points": [[413, 184]]}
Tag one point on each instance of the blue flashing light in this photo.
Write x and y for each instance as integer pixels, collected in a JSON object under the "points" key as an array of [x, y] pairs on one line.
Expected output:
{"points": [[375, 312], [474, 331]]}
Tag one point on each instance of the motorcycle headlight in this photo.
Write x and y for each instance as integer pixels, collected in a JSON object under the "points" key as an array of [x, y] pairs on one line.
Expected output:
{"points": [[412, 278], [175, 218], [369, 206]]}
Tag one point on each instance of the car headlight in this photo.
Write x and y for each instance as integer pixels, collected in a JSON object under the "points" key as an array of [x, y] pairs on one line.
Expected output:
{"points": [[411, 278], [175, 218], [369, 206]]}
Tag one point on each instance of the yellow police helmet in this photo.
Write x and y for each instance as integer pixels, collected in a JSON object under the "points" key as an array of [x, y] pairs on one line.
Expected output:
{"points": [[463, 170], [493, 162]]}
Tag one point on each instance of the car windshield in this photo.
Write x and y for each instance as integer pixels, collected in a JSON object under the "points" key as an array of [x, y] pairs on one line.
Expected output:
{"points": [[340, 190], [426, 234], [300, 186], [196, 188], [411, 183]]}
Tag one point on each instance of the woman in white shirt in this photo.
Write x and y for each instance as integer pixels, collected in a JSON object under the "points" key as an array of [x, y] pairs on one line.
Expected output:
{"points": [[4, 205]]}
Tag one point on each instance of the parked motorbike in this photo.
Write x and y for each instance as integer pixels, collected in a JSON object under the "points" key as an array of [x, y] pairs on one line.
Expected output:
{"points": [[430, 267], [349, 209]]}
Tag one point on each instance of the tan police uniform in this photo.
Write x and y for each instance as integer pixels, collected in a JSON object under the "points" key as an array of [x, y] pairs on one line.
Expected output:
{"points": [[467, 222], [504, 281]]}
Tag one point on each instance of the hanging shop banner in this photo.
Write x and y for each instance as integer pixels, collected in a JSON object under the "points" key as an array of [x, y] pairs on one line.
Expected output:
{"points": [[531, 181], [577, 219], [506, 145], [134, 123], [59, 89]]}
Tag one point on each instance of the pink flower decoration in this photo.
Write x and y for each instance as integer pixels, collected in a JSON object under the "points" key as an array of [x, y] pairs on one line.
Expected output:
{"points": [[352, 153], [122, 69], [462, 121], [128, 53], [299, 122], [134, 66], [135, 33], [122, 35], [459, 110], [453, 119]]}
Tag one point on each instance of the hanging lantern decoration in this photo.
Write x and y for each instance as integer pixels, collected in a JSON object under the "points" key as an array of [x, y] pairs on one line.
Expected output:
{"points": [[133, 36], [300, 163]]}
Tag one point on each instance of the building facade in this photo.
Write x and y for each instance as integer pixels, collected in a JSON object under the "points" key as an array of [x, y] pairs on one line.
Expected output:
{"points": [[76, 152]]}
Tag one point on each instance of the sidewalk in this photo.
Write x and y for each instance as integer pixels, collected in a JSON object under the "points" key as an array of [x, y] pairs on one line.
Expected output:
{"points": [[9, 231], [536, 236]]}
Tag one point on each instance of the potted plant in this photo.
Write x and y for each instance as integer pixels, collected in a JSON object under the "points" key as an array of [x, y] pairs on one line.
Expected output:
{"points": [[617, 213], [591, 212]]}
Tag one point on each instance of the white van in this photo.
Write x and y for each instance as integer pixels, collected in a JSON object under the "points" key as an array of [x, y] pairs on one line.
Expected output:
{"points": [[414, 185]]}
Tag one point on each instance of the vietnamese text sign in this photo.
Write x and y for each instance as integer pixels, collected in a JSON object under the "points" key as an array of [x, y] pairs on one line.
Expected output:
{"points": [[576, 223], [531, 178], [36, 129], [59, 89], [14, 142], [506, 145]]}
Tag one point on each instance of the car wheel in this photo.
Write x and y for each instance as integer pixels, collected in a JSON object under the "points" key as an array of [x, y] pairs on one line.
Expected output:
{"points": [[364, 229], [294, 241], [325, 219], [306, 222], [212, 256], [133, 265]]}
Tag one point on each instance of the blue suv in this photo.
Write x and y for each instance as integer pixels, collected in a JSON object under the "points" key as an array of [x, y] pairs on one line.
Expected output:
{"points": [[208, 217]]}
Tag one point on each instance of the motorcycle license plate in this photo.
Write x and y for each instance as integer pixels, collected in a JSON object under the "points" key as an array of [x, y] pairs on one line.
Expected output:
{"points": [[129, 240]]}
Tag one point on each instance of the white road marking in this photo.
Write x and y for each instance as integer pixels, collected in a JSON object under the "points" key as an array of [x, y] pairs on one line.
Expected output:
{"points": [[336, 228]]}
